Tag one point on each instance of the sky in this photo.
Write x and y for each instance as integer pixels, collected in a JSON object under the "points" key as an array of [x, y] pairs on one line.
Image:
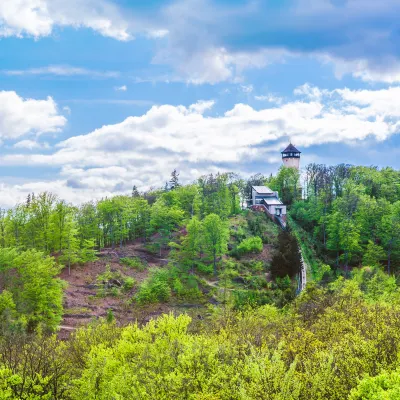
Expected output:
{"points": [[99, 95]]}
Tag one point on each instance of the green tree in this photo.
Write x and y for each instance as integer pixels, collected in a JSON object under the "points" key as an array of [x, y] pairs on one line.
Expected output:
{"points": [[216, 235], [390, 232], [192, 242]]}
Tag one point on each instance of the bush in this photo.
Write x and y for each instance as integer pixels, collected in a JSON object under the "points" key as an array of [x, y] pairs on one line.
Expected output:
{"points": [[205, 269], [135, 263], [254, 265], [111, 282], [257, 282], [384, 386], [128, 284], [250, 298], [250, 245], [155, 288]]}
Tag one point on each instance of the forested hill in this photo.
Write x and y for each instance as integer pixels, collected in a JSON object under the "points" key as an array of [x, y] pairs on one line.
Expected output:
{"points": [[184, 293], [352, 215]]}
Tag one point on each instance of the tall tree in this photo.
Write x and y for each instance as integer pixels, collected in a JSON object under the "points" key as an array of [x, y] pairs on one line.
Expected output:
{"points": [[216, 235], [191, 243], [390, 232], [174, 181]]}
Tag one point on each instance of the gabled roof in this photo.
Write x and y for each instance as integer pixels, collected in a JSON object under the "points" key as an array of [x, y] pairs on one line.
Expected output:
{"points": [[263, 190], [291, 149]]}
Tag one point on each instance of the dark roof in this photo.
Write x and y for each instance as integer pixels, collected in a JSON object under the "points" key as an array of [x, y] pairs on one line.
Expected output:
{"points": [[291, 149]]}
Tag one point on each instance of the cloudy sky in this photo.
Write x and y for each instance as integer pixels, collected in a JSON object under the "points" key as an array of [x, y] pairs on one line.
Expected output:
{"points": [[98, 95]]}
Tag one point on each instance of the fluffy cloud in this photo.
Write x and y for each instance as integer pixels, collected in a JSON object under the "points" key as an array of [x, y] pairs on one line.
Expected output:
{"points": [[214, 64], [19, 117], [212, 41], [38, 17], [142, 150], [30, 145], [386, 71], [311, 92]]}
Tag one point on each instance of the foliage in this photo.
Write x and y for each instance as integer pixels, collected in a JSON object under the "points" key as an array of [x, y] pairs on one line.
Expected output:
{"points": [[250, 245], [353, 214], [111, 282], [216, 235], [155, 288], [133, 262], [287, 184], [260, 225], [36, 292], [286, 259], [385, 386], [329, 343]]}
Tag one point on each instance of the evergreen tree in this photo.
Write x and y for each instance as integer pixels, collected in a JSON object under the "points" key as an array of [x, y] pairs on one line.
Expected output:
{"points": [[135, 191], [174, 181]]}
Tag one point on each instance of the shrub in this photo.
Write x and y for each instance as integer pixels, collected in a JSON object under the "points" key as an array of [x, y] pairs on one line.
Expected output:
{"points": [[250, 298], [250, 245], [257, 282], [383, 386], [155, 288], [135, 263], [111, 282], [128, 284], [205, 269]]}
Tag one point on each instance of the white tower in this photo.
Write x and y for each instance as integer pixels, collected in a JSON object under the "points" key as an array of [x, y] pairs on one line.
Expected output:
{"points": [[291, 157]]}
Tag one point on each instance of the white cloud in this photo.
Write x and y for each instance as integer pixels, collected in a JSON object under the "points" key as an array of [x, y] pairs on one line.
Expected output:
{"points": [[214, 64], [270, 98], [63, 70], [145, 148], [247, 88], [201, 106], [158, 33], [20, 117], [387, 72], [30, 145], [122, 88], [311, 92], [39, 17]]}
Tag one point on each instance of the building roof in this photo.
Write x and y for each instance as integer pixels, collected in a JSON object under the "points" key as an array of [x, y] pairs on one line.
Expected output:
{"points": [[273, 201], [291, 149], [263, 190]]}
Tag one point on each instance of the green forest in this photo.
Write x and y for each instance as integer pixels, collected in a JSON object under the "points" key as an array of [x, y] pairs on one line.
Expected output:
{"points": [[183, 292]]}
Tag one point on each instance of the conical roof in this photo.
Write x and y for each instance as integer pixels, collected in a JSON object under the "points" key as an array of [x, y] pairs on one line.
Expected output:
{"points": [[291, 149]]}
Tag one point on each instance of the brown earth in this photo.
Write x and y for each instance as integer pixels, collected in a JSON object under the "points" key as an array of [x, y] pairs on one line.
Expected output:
{"points": [[82, 305]]}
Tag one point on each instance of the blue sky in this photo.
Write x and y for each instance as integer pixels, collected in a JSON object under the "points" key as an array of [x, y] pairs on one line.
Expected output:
{"points": [[98, 95]]}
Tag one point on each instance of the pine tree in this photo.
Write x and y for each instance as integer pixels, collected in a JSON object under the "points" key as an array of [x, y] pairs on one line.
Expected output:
{"points": [[135, 191], [174, 182]]}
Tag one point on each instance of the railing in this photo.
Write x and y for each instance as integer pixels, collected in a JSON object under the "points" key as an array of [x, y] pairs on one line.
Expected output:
{"points": [[302, 274]]}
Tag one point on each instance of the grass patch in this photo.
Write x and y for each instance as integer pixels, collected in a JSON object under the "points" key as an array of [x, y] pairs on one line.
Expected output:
{"points": [[76, 310], [134, 263]]}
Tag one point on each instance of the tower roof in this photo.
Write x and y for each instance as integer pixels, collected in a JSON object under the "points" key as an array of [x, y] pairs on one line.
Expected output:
{"points": [[291, 149]]}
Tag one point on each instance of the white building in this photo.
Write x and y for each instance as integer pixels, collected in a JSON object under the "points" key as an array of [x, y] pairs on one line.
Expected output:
{"points": [[264, 197]]}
